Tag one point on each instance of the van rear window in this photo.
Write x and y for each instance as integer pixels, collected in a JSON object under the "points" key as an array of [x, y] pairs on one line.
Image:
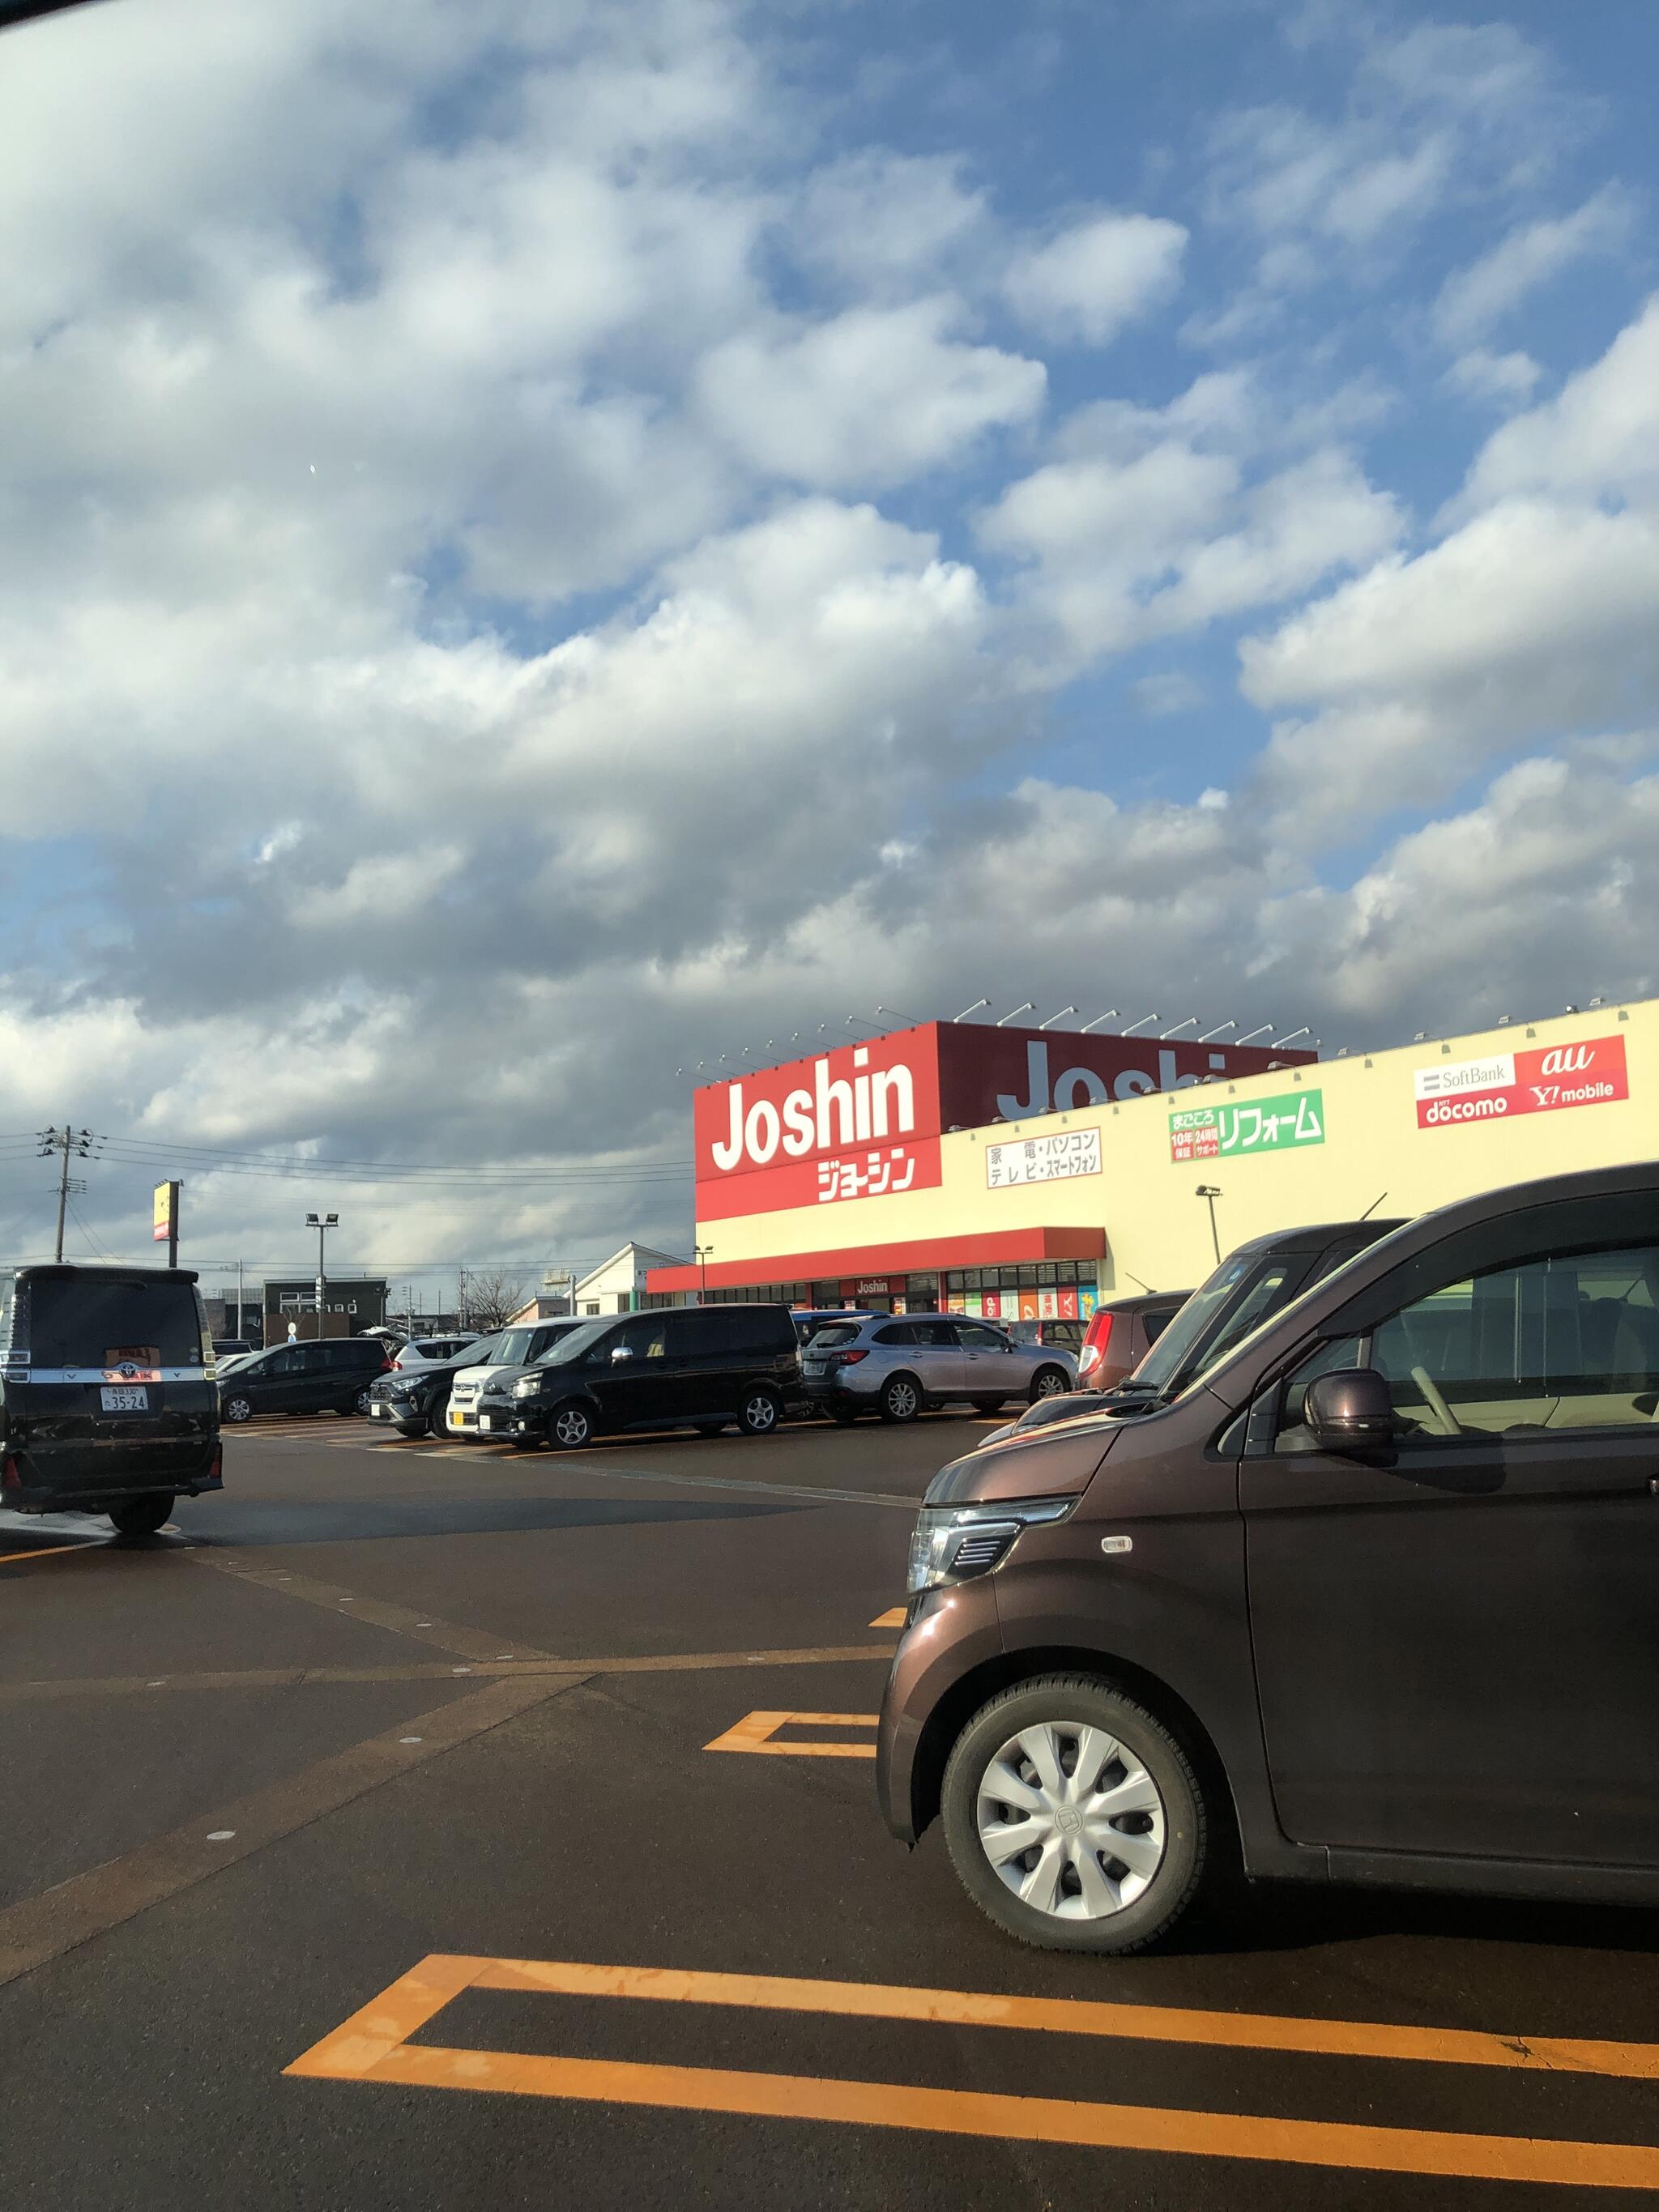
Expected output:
{"points": [[834, 1333], [76, 1321]]}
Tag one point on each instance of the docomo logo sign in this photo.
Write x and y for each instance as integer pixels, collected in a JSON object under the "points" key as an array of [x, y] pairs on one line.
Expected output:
{"points": [[873, 1103], [1589, 1073]]}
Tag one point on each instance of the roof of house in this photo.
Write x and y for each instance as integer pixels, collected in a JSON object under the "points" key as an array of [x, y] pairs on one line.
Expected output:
{"points": [[647, 1254]]}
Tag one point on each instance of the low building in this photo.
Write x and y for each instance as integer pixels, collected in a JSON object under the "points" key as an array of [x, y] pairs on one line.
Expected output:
{"points": [[621, 1285], [351, 1303], [842, 1180]]}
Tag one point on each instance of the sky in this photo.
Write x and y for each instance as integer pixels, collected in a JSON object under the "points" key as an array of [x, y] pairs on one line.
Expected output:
{"points": [[549, 545]]}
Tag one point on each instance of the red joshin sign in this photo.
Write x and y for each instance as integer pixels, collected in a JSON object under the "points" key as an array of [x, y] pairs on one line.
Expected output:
{"points": [[1505, 1084]]}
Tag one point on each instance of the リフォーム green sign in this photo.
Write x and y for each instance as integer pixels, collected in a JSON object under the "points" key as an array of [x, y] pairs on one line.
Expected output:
{"points": [[1265, 1125]]}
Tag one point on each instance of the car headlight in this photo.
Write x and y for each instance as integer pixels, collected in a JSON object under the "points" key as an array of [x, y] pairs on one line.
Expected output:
{"points": [[526, 1386], [954, 1543]]}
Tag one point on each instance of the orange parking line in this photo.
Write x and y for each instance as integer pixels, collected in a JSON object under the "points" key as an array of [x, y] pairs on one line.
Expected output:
{"points": [[754, 1732], [893, 1618], [371, 2047], [51, 1551], [1343, 2039]]}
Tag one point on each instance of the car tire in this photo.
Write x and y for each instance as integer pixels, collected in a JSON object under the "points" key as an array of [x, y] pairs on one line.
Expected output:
{"points": [[711, 1428], [360, 1403], [570, 1428], [437, 1420], [843, 1416], [1049, 1383], [900, 1399], [236, 1408], [761, 1411], [988, 1405], [142, 1516], [1076, 1897]]}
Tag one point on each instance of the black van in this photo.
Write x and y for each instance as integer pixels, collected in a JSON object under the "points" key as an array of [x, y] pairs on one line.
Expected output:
{"points": [[107, 1400], [333, 1376], [698, 1367]]}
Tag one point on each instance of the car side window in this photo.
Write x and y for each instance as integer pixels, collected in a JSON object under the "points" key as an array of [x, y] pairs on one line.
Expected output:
{"points": [[977, 1338], [646, 1337], [1155, 1324], [1564, 1342], [895, 1333], [937, 1334], [282, 1363]]}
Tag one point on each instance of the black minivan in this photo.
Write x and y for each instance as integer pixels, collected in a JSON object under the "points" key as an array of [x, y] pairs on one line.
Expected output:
{"points": [[107, 1401], [333, 1376], [696, 1367]]}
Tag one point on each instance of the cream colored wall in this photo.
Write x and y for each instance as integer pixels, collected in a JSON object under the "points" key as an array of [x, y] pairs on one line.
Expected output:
{"points": [[1159, 1232]]}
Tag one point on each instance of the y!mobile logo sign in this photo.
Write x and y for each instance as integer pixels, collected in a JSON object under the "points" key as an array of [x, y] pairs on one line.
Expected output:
{"points": [[1510, 1082], [861, 1121]]}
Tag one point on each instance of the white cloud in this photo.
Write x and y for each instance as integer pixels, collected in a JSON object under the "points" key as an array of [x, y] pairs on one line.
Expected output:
{"points": [[878, 220], [1528, 257], [866, 398], [1505, 378], [1598, 439], [1168, 693], [1097, 276]]}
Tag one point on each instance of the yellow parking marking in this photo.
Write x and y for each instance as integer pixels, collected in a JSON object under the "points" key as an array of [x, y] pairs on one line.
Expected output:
{"points": [[755, 1731], [373, 2046], [893, 1618], [51, 1551]]}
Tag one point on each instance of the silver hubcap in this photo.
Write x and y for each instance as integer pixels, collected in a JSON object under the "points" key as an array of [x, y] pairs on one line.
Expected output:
{"points": [[1070, 1820], [760, 1413], [1050, 1385], [237, 1410], [900, 1400], [571, 1428]]}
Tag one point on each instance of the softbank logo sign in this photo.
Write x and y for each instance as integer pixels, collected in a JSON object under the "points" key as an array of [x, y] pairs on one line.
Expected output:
{"points": [[836, 1111], [1083, 1086]]}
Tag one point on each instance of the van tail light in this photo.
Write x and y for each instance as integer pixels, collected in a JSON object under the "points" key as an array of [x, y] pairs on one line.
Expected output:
{"points": [[9, 1477], [1095, 1343], [217, 1464], [847, 1358], [386, 1366]]}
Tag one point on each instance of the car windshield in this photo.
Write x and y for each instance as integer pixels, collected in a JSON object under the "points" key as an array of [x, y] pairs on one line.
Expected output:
{"points": [[1237, 1282], [578, 1341]]}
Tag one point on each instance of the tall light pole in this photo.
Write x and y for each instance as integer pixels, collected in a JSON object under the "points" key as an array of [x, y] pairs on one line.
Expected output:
{"points": [[322, 1223], [1211, 1192], [702, 1254]]}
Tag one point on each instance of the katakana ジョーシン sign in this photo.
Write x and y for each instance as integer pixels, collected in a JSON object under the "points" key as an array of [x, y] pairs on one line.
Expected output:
{"points": [[1280, 1124]]}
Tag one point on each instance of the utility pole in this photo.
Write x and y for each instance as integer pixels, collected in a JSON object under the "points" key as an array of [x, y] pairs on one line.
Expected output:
{"points": [[1211, 1191], [322, 1223], [66, 1141]]}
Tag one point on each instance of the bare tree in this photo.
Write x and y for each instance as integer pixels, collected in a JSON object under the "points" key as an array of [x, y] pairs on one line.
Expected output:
{"points": [[493, 1296]]}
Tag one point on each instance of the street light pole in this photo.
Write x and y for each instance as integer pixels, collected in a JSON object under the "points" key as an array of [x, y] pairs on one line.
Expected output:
{"points": [[701, 1253], [322, 1223], [1211, 1192]]}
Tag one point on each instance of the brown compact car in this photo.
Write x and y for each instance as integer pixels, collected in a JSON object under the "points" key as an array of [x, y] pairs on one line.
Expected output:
{"points": [[1374, 1598]]}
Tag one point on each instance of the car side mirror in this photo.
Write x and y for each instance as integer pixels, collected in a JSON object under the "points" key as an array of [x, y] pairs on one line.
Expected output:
{"points": [[619, 1352], [1350, 1410]]}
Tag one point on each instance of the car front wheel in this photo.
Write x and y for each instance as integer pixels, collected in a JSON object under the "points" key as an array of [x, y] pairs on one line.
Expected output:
{"points": [[1049, 1383], [570, 1428], [1074, 1818], [235, 1408]]}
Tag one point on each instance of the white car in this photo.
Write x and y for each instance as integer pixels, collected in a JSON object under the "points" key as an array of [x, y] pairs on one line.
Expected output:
{"points": [[435, 1351], [513, 1348]]}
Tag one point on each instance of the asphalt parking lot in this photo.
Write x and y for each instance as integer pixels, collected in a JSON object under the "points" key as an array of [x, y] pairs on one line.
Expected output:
{"points": [[432, 1825]]}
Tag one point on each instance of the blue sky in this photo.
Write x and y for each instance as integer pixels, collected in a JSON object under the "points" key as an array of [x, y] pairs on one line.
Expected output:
{"points": [[545, 544]]}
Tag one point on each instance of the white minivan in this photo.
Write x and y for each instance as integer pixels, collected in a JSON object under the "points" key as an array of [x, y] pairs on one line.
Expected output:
{"points": [[512, 1347]]}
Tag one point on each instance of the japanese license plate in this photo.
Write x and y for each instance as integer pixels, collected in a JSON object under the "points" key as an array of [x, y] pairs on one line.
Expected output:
{"points": [[812, 1367], [486, 1420], [126, 1398], [378, 1413]]}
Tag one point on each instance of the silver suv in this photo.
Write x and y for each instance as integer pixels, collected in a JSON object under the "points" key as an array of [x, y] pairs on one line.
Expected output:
{"points": [[896, 1366]]}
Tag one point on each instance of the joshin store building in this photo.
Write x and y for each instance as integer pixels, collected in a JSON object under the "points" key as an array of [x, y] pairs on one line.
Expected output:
{"points": [[1022, 1173]]}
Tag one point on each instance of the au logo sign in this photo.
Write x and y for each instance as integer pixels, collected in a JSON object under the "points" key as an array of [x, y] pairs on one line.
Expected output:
{"points": [[1283, 1123]]}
